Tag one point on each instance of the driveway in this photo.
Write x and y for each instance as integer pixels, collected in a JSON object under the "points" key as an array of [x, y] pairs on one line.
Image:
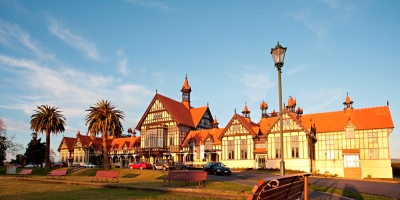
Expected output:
{"points": [[381, 188]]}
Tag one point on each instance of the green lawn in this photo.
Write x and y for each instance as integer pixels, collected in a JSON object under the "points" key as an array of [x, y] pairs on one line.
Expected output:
{"points": [[135, 182]]}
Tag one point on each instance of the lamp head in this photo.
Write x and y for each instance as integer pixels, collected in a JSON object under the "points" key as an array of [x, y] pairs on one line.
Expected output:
{"points": [[278, 54]]}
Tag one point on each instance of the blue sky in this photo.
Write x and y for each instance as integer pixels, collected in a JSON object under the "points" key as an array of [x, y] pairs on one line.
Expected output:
{"points": [[70, 54]]}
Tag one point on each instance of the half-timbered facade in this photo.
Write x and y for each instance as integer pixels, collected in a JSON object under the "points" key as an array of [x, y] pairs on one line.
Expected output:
{"points": [[166, 123], [346, 143]]}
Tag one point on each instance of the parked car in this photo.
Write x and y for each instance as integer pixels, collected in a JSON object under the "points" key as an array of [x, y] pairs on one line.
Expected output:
{"points": [[164, 165], [90, 165], [181, 165], [30, 165], [60, 164], [217, 168], [17, 165], [140, 165]]}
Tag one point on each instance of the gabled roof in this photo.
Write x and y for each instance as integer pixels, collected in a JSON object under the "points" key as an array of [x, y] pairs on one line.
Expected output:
{"points": [[178, 111], [266, 124], [362, 119], [250, 126], [69, 142], [118, 143], [200, 136], [197, 114]]}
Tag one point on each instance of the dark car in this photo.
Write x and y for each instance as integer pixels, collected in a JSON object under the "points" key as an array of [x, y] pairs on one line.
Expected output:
{"points": [[181, 165], [217, 168], [140, 165]]}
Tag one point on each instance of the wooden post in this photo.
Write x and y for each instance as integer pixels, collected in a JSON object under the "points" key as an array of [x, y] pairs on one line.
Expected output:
{"points": [[305, 187]]}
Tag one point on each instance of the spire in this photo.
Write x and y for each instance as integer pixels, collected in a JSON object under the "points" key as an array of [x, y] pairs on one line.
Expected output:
{"points": [[264, 107], [246, 112], [291, 104], [348, 103], [215, 122], [186, 89]]}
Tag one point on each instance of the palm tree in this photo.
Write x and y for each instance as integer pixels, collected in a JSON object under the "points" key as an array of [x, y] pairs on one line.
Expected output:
{"points": [[105, 119], [49, 120]]}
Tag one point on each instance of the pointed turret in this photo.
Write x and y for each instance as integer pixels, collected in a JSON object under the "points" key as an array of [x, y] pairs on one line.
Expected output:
{"points": [[186, 89], [246, 112], [215, 122], [348, 105], [264, 107], [291, 106]]}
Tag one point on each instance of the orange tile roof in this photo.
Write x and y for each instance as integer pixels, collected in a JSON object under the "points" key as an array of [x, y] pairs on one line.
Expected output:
{"points": [[252, 127], [362, 119], [266, 124], [69, 142], [186, 84], [118, 143], [200, 136], [197, 114], [260, 150], [179, 112]]}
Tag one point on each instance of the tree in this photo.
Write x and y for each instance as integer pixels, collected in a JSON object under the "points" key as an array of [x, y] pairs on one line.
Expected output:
{"points": [[6, 144], [47, 120], [35, 153], [105, 119]]}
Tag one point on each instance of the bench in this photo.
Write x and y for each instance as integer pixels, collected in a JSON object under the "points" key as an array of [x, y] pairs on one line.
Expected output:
{"points": [[186, 176], [106, 174], [57, 173], [281, 187], [25, 172]]}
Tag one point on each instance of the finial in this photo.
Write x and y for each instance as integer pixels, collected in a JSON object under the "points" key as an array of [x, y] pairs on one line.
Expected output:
{"points": [[156, 91], [387, 103], [235, 110], [207, 104], [186, 76]]}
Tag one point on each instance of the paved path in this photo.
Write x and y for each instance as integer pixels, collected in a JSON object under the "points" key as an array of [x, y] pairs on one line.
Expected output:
{"points": [[389, 189]]}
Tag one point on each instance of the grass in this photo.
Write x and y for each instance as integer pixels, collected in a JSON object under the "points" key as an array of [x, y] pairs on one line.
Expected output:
{"points": [[137, 183], [349, 194], [14, 189]]}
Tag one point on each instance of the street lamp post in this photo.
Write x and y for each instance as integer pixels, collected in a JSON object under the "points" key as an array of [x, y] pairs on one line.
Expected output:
{"points": [[278, 54]]}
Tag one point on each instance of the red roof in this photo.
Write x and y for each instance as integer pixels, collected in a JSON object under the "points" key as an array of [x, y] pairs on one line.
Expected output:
{"points": [[362, 119]]}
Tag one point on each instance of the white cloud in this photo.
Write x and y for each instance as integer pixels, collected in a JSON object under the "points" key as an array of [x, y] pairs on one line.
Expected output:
{"points": [[332, 3], [295, 70], [122, 64], [313, 25], [14, 37], [70, 90], [151, 3], [324, 96], [78, 42]]}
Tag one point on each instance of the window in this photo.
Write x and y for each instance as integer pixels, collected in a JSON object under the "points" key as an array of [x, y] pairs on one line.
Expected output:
{"points": [[372, 138], [278, 152], [243, 149], [235, 127], [329, 140], [231, 149], [286, 122], [294, 143], [208, 144], [157, 115], [295, 152], [349, 132], [373, 154], [330, 154]]}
